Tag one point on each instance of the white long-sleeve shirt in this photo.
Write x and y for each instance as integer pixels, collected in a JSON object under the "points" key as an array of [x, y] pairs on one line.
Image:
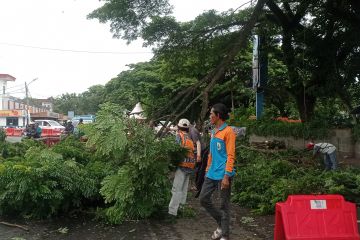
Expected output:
{"points": [[325, 148]]}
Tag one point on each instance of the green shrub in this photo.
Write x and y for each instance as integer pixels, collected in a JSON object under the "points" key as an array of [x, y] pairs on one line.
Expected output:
{"points": [[72, 148], [42, 184], [309, 130], [265, 179], [141, 186], [2, 135], [11, 150], [136, 185]]}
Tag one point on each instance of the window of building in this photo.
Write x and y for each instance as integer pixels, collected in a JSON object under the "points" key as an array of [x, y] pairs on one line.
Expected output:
{"points": [[12, 121]]}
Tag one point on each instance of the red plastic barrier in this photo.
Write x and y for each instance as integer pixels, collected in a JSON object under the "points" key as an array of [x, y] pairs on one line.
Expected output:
{"points": [[285, 119], [56, 132], [316, 217], [46, 132], [10, 132], [49, 132], [18, 132]]}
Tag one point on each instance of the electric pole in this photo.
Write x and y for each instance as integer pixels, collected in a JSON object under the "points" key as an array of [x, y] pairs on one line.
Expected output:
{"points": [[27, 104], [27, 100]]}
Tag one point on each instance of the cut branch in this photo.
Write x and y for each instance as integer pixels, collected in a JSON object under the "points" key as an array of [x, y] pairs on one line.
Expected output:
{"points": [[14, 225]]}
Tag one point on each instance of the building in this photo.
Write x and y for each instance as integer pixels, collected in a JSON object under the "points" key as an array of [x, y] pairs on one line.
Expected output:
{"points": [[13, 111], [45, 103]]}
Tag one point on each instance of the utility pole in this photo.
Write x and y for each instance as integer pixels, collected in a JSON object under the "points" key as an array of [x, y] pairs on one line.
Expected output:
{"points": [[27, 100], [27, 104], [260, 69]]}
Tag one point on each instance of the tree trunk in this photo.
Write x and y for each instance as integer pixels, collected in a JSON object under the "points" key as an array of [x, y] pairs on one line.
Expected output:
{"points": [[305, 104]]}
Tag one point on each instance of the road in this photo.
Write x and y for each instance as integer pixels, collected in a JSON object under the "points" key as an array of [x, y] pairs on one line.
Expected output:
{"points": [[244, 226]]}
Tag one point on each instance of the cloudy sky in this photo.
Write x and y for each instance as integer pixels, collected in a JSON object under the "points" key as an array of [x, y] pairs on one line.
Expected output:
{"points": [[52, 40]]}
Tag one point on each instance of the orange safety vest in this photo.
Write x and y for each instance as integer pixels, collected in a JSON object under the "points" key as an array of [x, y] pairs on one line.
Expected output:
{"points": [[189, 161]]}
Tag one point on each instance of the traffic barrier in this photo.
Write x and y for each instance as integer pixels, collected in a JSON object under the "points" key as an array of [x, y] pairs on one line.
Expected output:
{"points": [[316, 217], [10, 132], [56, 132], [46, 132], [49, 132], [18, 132]]}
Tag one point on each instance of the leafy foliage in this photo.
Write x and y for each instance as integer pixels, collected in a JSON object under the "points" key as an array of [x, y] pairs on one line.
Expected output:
{"points": [[2, 135], [140, 186], [107, 134], [129, 17], [265, 179], [43, 184], [311, 130], [13, 150], [85, 103], [72, 148]]}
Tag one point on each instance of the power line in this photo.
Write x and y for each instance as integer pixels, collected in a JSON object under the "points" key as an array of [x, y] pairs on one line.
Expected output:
{"points": [[15, 90], [22, 85], [70, 50]]}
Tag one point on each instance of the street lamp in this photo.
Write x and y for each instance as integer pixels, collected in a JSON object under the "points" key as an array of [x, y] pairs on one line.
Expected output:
{"points": [[27, 100]]}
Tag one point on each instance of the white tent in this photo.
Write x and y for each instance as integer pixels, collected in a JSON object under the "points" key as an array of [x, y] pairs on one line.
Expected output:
{"points": [[137, 112]]}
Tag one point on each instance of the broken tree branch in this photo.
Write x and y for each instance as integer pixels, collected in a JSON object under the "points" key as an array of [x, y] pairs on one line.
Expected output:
{"points": [[14, 225]]}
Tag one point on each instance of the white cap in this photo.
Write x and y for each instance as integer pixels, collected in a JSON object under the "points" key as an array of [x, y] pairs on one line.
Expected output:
{"points": [[184, 123]]}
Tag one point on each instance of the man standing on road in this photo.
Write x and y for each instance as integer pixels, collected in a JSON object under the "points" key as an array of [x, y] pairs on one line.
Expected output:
{"points": [[220, 170], [183, 171]]}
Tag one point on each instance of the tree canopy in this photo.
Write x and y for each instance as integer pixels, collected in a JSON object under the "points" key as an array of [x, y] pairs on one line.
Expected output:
{"points": [[312, 47]]}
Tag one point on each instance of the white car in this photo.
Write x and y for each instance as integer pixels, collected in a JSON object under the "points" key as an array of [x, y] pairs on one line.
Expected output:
{"points": [[50, 124]]}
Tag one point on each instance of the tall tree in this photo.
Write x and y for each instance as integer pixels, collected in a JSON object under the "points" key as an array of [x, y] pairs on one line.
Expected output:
{"points": [[224, 35], [318, 41]]}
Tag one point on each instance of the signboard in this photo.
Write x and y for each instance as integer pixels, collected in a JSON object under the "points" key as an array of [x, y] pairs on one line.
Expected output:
{"points": [[11, 113], [71, 114]]}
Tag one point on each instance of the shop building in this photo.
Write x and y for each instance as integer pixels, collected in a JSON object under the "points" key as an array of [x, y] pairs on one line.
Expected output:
{"points": [[13, 111]]}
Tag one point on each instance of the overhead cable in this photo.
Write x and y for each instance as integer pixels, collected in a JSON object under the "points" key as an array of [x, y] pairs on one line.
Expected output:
{"points": [[70, 50]]}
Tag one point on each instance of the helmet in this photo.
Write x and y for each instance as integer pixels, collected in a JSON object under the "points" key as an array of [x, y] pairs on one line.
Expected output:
{"points": [[310, 145], [183, 123]]}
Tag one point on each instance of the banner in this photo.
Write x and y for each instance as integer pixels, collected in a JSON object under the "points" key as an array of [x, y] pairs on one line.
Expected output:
{"points": [[11, 113]]}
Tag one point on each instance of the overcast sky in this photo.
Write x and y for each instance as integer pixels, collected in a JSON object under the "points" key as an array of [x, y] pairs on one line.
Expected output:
{"points": [[30, 28]]}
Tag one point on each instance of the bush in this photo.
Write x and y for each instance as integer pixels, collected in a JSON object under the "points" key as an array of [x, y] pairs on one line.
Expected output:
{"points": [[141, 186], [315, 130], [2, 135], [72, 148], [13, 150], [43, 184], [265, 179], [138, 184]]}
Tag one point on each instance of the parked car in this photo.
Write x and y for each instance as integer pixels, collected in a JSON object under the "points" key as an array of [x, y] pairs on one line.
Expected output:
{"points": [[45, 123]]}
